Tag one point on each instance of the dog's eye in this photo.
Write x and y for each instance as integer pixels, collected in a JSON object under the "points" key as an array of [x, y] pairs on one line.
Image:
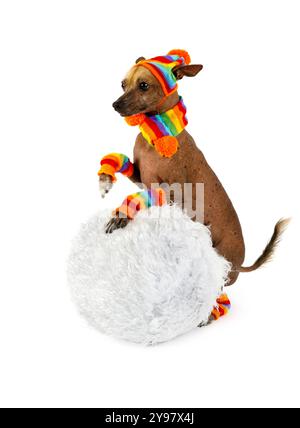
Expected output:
{"points": [[123, 84], [144, 86]]}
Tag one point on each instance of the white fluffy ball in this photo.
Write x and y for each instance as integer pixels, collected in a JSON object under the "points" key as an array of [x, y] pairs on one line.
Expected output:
{"points": [[148, 283]]}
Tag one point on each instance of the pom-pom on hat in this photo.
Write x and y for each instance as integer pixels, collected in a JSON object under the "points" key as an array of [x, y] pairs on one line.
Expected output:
{"points": [[162, 68]]}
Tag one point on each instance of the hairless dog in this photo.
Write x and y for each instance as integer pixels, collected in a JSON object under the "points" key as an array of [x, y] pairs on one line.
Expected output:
{"points": [[165, 153]]}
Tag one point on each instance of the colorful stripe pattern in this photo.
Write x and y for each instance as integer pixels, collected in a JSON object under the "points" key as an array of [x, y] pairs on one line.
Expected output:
{"points": [[141, 201], [161, 67], [161, 130], [116, 162], [222, 308], [172, 122]]}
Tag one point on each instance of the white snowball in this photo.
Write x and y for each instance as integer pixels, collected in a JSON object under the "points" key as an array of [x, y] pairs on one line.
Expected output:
{"points": [[148, 283]]}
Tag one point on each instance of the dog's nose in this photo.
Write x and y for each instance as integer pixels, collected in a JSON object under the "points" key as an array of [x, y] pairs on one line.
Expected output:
{"points": [[116, 105]]}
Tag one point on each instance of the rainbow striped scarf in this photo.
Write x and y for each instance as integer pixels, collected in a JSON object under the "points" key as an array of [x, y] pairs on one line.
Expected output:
{"points": [[161, 130]]}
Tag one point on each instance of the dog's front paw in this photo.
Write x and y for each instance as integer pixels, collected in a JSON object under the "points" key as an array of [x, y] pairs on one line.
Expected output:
{"points": [[116, 223], [105, 184]]}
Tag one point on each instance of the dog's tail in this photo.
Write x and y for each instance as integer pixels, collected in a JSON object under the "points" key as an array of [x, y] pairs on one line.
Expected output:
{"points": [[269, 251]]}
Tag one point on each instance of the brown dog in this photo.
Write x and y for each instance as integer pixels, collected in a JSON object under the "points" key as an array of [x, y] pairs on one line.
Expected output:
{"points": [[142, 94]]}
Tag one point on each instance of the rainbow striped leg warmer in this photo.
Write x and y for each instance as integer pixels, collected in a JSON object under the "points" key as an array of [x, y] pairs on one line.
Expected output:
{"points": [[222, 308], [141, 201], [116, 162]]}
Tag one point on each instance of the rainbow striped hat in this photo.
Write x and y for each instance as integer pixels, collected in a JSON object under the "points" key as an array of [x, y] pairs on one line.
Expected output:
{"points": [[161, 67]]}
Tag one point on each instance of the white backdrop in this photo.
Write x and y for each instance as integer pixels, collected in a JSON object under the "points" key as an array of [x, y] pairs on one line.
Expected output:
{"points": [[61, 64]]}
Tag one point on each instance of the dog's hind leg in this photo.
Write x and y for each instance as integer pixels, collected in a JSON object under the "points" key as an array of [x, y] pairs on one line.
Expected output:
{"points": [[232, 250]]}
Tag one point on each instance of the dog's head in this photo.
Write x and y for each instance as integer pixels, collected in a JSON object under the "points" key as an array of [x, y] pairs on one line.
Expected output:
{"points": [[150, 83]]}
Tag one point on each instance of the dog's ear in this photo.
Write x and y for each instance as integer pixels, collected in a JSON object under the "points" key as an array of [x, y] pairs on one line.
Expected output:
{"points": [[141, 58], [186, 70]]}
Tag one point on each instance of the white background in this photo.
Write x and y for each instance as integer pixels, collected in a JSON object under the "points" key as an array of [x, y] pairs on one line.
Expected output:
{"points": [[61, 67]]}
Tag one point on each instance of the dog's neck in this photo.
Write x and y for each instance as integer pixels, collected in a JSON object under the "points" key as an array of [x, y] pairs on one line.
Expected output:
{"points": [[166, 104]]}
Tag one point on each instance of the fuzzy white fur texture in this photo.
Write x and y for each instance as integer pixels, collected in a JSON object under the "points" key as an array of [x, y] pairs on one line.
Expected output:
{"points": [[148, 283]]}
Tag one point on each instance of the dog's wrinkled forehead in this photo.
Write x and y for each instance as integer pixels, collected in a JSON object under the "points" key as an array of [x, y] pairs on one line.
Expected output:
{"points": [[137, 75]]}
